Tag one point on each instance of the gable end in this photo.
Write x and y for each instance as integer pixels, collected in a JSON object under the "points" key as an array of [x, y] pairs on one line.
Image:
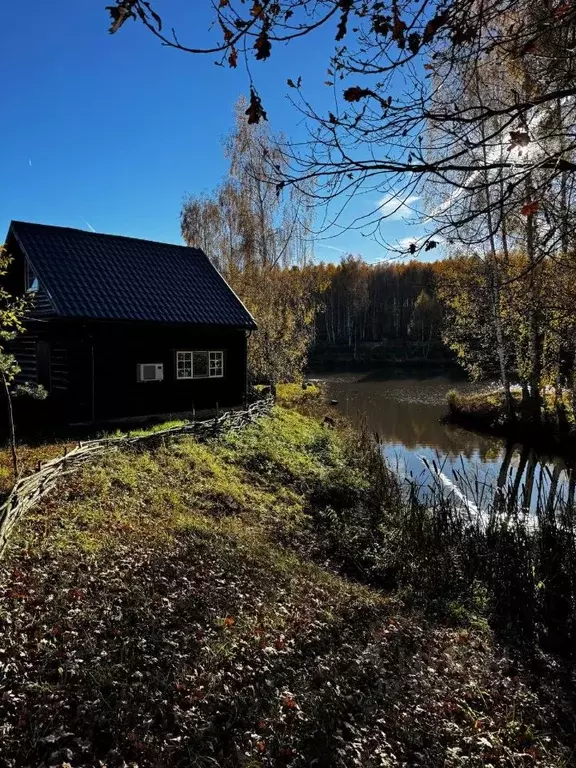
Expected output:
{"points": [[18, 279]]}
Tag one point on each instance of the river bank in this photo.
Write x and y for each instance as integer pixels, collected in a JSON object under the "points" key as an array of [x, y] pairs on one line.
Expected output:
{"points": [[386, 353], [486, 411], [266, 598], [407, 413]]}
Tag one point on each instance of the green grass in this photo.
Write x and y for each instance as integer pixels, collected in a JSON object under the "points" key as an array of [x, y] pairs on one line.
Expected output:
{"points": [[170, 424], [30, 454], [262, 476], [294, 393]]}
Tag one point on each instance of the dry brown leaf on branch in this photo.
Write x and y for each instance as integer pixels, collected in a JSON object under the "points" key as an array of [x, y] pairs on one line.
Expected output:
{"points": [[255, 111], [529, 209]]}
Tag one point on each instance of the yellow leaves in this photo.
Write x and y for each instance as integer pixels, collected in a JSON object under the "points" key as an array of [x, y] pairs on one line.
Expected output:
{"points": [[282, 301]]}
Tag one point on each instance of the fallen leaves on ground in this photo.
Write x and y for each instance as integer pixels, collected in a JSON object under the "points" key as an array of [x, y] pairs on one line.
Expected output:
{"points": [[199, 648]]}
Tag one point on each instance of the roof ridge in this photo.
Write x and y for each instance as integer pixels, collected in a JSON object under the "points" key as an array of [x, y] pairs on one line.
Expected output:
{"points": [[103, 234]]}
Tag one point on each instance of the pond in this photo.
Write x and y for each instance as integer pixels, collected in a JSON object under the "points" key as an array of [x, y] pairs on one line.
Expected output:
{"points": [[406, 414]]}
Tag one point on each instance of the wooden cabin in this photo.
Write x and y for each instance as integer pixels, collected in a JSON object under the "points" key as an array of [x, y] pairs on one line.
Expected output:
{"points": [[122, 327]]}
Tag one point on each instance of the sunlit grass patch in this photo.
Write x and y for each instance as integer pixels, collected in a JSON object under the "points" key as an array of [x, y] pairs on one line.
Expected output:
{"points": [[163, 426], [266, 477], [296, 393], [289, 446], [152, 492]]}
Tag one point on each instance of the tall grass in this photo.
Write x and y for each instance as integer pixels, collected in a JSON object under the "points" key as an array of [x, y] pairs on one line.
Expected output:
{"points": [[485, 559]]}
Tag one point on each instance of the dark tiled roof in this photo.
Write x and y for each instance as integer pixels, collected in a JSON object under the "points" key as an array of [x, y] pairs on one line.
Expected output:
{"points": [[108, 277]]}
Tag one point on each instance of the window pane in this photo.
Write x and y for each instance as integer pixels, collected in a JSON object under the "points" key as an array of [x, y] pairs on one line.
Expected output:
{"points": [[200, 364], [184, 365], [216, 363]]}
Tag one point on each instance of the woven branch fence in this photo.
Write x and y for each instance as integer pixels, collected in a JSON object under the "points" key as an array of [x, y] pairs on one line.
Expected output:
{"points": [[28, 490]]}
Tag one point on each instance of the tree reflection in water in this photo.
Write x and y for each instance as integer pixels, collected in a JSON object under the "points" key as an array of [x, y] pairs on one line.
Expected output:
{"points": [[406, 414]]}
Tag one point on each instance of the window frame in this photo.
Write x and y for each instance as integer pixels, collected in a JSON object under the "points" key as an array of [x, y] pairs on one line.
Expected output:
{"points": [[189, 355], [220, 359]]}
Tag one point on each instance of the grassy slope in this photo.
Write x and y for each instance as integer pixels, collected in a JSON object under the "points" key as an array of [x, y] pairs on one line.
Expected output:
{"points": [[177, 608]]}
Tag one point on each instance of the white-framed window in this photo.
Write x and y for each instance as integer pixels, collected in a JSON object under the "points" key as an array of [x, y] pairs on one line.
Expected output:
{"points": [[199, 364], [183, 365], [216, 360]]}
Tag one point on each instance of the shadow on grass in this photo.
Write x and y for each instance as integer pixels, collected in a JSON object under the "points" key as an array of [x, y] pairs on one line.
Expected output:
{"points": [[214, 652]]}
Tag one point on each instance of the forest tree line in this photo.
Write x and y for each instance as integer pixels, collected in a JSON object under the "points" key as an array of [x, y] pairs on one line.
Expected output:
{"points": [[363, 303], [500, 313]]}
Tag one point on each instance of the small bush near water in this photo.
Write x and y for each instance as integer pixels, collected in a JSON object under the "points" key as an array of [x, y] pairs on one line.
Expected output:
{"points": [[223, 605]]}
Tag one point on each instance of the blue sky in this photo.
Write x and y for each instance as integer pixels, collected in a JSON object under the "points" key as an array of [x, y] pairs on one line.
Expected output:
{"points": [[113, 131]]}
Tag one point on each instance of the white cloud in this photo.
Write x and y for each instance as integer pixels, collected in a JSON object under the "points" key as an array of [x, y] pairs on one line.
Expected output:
{"points": [[397, 207], [405, 243]]}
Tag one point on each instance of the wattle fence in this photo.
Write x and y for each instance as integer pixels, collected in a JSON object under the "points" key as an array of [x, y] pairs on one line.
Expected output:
{"points": [[28, 490]]}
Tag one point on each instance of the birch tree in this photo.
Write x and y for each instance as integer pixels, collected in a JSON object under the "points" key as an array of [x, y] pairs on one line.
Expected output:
{"points": [[261, 245]]}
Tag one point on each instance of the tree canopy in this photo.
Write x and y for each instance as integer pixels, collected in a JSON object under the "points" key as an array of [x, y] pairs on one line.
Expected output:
{"points": [[473, 99]]}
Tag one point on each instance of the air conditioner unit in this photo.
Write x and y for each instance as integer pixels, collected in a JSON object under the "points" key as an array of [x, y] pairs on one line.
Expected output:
{"points": [[150, 372]]}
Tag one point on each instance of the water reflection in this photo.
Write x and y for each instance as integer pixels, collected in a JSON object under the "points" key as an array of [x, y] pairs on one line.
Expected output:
{"points": [[476, 469]]}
